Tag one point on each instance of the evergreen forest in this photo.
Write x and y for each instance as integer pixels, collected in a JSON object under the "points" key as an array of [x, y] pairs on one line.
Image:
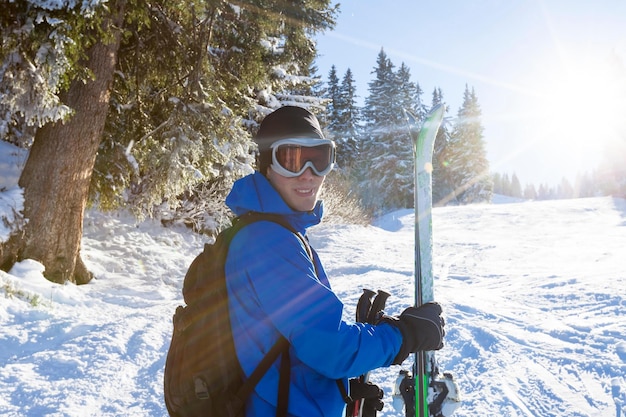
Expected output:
{"points": [[152, 106]]}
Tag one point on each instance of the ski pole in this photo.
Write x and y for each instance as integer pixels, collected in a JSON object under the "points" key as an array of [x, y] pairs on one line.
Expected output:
{"points": [[363, 305], [378, 305]]}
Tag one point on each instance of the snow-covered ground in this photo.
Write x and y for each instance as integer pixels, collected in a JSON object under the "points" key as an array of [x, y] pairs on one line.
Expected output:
{"points": [[534, 296]]}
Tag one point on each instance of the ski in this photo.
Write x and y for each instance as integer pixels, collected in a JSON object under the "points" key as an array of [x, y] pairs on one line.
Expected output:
{"points": [[427, 392], [423, 147]]}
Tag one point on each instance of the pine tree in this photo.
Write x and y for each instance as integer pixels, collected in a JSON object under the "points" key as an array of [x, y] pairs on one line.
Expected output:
{"points": [[506, 185], [192, 78], [381, 91], [530, 193], [516, 187], [443, 184], [565, 189], [387, 156], [58, 170], [349, 117], [373, 143], [401, 142], [334, 105], [543, 193], [409, 93], [497, 183], [342, 116], [468, 159]]}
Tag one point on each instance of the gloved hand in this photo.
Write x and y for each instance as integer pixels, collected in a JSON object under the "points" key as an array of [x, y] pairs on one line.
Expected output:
{"points": [[370, 394], [422, 328]]}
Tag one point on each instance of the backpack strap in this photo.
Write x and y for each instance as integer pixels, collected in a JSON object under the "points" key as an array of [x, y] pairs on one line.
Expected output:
{"points": [[281, 347], [283, 384]]}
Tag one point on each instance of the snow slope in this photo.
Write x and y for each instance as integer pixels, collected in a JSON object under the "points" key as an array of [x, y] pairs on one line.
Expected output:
{"points": [[534, 296]]}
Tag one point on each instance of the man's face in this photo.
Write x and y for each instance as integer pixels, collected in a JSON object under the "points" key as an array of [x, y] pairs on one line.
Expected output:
{"points": [[301, 192]]}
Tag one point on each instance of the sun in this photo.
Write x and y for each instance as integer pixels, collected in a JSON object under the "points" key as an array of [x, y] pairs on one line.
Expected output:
{"points": [[583, 101], [581, 110]]}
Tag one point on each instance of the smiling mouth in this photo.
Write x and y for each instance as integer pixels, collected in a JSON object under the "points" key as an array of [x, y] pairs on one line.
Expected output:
{"points": [[304, 191]]}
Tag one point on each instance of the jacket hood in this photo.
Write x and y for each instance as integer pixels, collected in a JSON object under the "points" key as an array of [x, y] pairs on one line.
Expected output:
{"points": [[255, 193]]}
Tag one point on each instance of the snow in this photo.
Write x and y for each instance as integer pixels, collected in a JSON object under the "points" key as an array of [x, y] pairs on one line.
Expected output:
{"points": [[534, 295], [12, 161]]}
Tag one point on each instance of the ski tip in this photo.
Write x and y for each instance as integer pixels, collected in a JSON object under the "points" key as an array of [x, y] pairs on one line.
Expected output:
{"points": [[435, 116], [438, 109]]}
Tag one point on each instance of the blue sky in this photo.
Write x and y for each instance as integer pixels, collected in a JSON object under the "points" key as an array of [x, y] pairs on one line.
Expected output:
{"points": [[523, 58]]}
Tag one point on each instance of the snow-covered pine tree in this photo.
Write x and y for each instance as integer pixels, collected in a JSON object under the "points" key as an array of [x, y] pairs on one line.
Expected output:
{"points": [[343, 118], [192, 86], [380, 91], [565, 190], [516, 187], [407, 98], [334, 101], [469, 167], [36, 63], [530, 192], [188, 74], [374, 116], [443, 186], [57, 173], [387, 160], [346, 129]]}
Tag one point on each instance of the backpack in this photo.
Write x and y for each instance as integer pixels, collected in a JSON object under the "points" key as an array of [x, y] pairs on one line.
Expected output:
{"points": [[203, 376]]}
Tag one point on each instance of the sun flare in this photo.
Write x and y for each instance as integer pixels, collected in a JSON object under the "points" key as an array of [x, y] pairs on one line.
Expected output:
{"points": [[582, 110]]}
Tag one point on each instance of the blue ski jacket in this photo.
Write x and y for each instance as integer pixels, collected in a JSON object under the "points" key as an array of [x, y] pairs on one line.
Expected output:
{"points": [[275, 289]]}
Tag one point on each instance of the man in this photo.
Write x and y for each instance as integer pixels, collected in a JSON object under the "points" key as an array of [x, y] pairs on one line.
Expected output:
{"points": [[277, 287]]}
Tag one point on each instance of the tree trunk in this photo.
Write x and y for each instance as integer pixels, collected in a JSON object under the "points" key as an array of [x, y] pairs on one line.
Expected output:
{"points": [[58, 171]]}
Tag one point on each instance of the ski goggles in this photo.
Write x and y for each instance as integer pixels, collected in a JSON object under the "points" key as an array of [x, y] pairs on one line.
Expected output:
{"points": [[291, 157]]}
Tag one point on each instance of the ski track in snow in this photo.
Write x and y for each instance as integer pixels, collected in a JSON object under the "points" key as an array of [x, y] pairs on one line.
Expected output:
{"points": [[533, 294]]}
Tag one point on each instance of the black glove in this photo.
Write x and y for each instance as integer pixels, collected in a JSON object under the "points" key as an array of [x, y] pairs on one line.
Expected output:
{"points": [[421, 328], [369, 394]]}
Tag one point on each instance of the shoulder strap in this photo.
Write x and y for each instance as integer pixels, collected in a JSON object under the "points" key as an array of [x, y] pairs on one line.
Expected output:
{"points": [[282, 344], [253, 216]]}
